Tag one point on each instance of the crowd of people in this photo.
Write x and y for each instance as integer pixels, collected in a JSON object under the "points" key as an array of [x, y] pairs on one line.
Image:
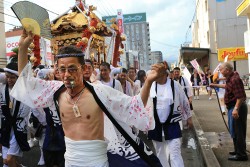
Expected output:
{"points": [[92, 115]]}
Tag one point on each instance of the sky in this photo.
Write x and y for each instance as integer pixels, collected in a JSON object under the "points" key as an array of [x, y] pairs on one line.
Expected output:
{"points": [[169, 21]]}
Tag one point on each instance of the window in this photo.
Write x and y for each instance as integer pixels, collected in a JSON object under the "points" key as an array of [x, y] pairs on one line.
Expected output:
{"points": [[208, 37], [206, 6]]}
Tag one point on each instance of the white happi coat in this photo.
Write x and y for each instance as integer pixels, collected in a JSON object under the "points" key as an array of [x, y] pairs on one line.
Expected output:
{"points": [[181, 103], [128, 111]]}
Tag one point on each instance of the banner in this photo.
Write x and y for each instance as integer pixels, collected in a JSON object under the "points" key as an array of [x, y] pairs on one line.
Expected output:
{"points": [[233, 54], [187, 75], [196, 65], [120, 21], [217, 68]]}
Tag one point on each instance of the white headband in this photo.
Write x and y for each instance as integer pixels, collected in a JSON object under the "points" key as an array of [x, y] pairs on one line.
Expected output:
{"points": [[10, 71]]}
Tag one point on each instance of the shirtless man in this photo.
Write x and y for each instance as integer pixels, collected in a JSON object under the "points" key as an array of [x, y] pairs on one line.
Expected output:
{"points": [[80, 114]]}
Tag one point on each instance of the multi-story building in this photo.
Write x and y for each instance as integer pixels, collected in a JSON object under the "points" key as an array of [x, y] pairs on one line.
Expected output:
{"points": [[215, 27], [156, 57], [3, 60], [136, 28], [244, 10]]}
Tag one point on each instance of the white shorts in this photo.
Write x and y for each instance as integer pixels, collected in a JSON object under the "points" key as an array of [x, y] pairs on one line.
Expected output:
{"points": [[221, 93], [14, 148]]}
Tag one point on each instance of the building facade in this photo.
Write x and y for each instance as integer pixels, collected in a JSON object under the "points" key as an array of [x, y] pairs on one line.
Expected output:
{"points": [[12, 41], [136, 29], [3, 60], [217, 26], [156, 57], [244, 10]]}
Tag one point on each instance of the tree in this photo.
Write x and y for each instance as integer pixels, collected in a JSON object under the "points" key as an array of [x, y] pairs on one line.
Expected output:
{"points": [[13, 57]]}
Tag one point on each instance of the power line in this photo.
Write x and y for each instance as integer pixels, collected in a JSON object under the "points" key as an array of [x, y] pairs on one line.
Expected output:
{"points": [[111, 6], [165, 43], [99, 10], [9, 23], [9, 15], [105, 8], [51, 11]]}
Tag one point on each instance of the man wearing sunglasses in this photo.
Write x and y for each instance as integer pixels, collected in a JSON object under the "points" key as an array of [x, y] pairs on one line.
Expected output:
{"points": [[80, 106]]}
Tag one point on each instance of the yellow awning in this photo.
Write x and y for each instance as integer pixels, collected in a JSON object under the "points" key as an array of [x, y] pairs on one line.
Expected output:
{"points": [[244, 8]]}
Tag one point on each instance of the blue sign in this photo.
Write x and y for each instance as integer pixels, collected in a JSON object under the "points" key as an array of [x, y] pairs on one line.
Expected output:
{"points": [[127, 18]]}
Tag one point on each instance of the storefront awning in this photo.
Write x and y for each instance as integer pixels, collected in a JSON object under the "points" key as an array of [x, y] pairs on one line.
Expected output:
{"points": [[244, 8]]}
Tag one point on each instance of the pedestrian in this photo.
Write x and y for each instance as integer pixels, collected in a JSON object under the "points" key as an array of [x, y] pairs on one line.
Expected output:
{"points": [[196, 82], [235, 100], [209, 80], [80, 107]]}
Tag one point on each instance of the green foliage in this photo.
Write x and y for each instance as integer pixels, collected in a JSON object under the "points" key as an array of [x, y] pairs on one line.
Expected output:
{"points": [[15, 50], [13, 57]]}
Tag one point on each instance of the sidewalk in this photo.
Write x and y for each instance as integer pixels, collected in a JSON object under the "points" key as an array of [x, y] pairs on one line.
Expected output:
{"points": [[209, 118]]}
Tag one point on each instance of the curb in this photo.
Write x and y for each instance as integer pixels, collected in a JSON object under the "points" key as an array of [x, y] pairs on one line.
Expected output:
{"points": [[207, 153]]}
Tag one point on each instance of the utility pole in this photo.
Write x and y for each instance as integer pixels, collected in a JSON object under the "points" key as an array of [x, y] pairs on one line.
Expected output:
{"points": [[3, 59]]}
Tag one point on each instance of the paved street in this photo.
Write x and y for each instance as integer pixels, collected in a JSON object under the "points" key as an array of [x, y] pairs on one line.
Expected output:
{"points": [[208, 115]]}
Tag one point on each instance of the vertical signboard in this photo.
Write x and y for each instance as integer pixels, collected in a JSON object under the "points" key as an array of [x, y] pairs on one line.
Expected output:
{"points": [[120, 21]]}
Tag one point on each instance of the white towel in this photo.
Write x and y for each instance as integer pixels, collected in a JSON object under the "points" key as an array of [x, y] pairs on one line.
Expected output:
{"points": [[85, 153]]}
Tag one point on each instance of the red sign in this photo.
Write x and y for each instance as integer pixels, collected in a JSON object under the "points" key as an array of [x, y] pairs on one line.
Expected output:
{"points": [[120, 25], [49, 55], [12, 44]]}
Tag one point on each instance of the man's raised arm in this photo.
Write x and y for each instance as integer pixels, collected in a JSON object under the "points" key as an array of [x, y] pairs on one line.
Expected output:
{"points": [[24, 43], [157, 71]]}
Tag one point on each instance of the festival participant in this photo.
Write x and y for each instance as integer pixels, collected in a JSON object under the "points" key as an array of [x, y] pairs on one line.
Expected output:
{"points": [[14, 120], [126, 86], [235, 100], [209, 80], [141, 77], [220, 79], [185, 85], [80, 107], [132, 76], [54, 144], [170, 106], [88, 74], [196, 82], [171, 74], [106, 79]]}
